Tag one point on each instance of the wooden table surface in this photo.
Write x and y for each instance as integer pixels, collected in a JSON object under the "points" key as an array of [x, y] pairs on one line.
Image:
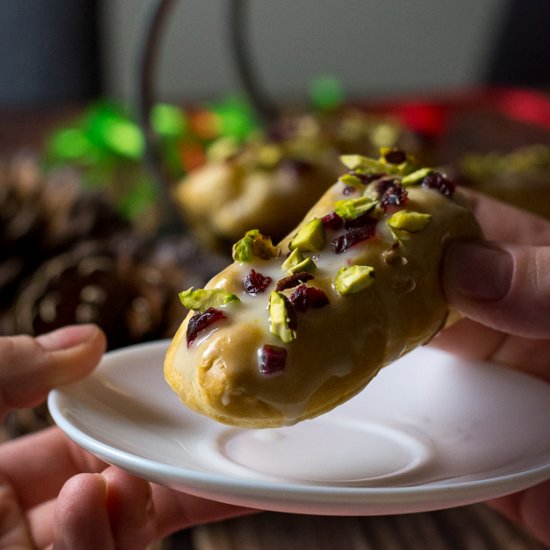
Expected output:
{"points": [[475, 527]]}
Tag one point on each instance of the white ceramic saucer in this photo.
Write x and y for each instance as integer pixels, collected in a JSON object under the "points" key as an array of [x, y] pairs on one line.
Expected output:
{"points": [[429, 432]]}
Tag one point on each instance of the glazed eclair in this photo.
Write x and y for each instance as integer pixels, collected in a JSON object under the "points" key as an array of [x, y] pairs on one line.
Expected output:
{"points": [[288, 332]]}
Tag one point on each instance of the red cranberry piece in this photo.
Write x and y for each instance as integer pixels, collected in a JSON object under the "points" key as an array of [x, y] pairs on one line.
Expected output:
{"points": [[305, 297], [440, 183], [391, 193], [349, 190], [395, 156], [291, 317], [360, 221], [353, 236], [366, 178], [293, 280], [201, 321], [255, 283], [332, 221], [271, 359]]}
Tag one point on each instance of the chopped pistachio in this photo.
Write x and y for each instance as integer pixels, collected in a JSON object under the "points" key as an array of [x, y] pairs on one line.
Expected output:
{"points": [[352, 181], [294, 258], [254, 245], [407, 164], [416, 177], [307, 265], [310, 237], [297, 262], [365, 165], [352, 279], [279, 317], [200, 299], [408, 220], [350, 209]]}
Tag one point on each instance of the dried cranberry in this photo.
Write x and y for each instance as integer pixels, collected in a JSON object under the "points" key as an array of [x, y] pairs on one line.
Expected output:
{"points": [[293, 280], [353, 236], [255, 283], [360, 221], [366, 178], [332, 220], [291, 317], [272, 359], [395, 156], [305, 297], [391, 193], [349, 190], [440, 183], [201, 321]]}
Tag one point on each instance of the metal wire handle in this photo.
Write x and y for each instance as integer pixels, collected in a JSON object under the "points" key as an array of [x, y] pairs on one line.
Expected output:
{"points": [[147, 54]]}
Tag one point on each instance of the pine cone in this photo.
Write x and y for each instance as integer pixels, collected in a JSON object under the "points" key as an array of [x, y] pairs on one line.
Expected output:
{"points": [[41, 216], [127, 285]]}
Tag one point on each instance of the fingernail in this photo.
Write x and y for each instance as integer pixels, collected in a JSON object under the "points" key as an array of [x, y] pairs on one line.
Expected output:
{"points": [[66, 337], [478, 271]]}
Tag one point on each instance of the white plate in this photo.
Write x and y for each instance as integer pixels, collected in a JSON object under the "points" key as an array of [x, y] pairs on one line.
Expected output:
{"points": [[429, 432]]}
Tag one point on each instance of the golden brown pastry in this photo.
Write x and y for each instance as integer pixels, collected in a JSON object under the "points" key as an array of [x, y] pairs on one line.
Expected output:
{"points": [[288, 332], [272, 180]]}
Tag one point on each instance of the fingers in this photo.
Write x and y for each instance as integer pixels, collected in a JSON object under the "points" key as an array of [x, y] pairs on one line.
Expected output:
{"points": [[126, 513], [176, 511], [130, 508], [31, 367], [82, 519], [111, 510], [13, 526], [505, 287], [502, 222], [39, 464], [530, 509]]}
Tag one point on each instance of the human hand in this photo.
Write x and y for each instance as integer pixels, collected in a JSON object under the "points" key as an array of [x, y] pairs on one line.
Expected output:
{"points": [[503, 291], [98, 506]]}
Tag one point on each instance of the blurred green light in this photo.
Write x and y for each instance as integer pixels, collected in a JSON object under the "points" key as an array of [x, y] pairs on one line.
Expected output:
{"points": [[326, 93], [236, 116], [168, 120], [69, 144], [124, 138]]}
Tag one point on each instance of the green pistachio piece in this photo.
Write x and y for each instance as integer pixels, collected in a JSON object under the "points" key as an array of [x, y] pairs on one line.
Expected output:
{"points": [[294, 258], [254, 245], [416, 177], [354, 278], [200, 299], [297, 262], [352, 181], [310, 237], [307, 264], [350, 209], [279, 320], [366, 165], [407, 220]]}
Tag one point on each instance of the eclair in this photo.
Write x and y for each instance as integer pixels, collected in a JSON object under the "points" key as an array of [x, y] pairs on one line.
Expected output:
{"points": [[289, 331], [270, 181]]}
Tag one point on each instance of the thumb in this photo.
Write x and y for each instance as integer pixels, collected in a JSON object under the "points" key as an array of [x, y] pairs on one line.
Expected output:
{"points": [[506, 287]]}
